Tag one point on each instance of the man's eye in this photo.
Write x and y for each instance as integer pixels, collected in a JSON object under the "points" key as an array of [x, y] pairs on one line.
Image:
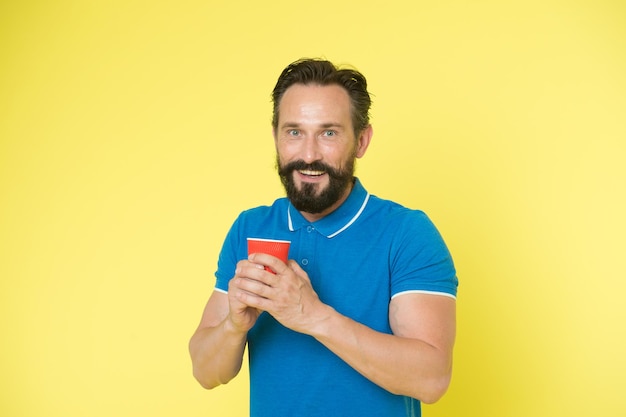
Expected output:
{"points": [[293, 132], [330, 133]]}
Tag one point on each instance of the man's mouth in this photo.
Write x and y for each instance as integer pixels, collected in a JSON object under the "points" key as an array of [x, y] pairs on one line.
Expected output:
{"points": [[311, 173]]}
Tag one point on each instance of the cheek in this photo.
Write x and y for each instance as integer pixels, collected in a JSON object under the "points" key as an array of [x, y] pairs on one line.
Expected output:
{"points": [[338, 156], [288, 151]]}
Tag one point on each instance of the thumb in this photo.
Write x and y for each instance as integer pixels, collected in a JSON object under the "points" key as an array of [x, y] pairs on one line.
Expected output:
{"points": [[295, 267]]}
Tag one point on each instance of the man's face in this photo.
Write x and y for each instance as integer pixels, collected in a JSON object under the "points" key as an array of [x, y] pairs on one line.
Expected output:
{"points": [[316, 147]]}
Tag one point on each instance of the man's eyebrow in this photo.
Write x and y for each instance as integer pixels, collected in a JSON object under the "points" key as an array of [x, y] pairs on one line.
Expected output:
{"points": [[328, 125], [289, 125]]}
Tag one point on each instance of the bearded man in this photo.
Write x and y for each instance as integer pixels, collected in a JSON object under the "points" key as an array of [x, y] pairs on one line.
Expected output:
{"points": [[360, 321]]}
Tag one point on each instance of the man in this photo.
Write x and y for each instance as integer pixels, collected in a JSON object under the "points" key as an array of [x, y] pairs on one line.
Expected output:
{"points": [[361, 320]]}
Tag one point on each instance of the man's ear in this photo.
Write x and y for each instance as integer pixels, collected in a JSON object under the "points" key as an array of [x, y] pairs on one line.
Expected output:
{"points": [[364, 141]]}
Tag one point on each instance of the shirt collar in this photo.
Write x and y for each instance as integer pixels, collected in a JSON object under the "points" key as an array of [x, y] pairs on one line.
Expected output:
{"points": [[337, 221]]}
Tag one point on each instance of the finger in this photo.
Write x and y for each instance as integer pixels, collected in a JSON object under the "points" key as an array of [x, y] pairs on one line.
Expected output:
{"points": [[269, 261], [234, 288], [252, 300], [297, 269], [253, 286], [295, 266], [247, 269]]}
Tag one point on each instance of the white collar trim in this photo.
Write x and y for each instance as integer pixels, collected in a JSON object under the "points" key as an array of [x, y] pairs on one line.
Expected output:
{"points": [[352, 220]]}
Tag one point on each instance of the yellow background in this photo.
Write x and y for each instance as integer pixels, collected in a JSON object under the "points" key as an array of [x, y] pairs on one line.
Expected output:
{"points": [[133, 132]]}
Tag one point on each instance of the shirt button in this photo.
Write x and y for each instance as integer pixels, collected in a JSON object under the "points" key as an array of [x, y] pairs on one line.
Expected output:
{"points": [[305, 261], [310, 229]]}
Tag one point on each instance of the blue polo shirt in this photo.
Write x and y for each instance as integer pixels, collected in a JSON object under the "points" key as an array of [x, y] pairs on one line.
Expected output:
{"points": [[358, 258]]}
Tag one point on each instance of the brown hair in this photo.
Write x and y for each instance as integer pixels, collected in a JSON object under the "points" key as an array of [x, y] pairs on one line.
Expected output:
{"points": [[322, 72]]}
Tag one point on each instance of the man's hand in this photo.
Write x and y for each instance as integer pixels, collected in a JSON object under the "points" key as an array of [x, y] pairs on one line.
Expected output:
{"points": [[287, 295], [241, 316]]}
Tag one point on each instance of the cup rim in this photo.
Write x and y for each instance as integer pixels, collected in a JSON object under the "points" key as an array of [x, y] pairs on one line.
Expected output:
{"points": [[268, 240]]}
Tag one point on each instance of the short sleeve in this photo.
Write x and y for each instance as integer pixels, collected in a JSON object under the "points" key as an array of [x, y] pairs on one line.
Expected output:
{"points": [[421, 261], [229, 256]]}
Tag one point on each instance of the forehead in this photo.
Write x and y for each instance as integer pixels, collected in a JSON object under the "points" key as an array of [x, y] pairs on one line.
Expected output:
{"points": [[315, 103]]}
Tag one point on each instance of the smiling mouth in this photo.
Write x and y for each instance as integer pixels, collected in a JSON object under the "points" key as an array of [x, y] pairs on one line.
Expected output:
{"points": [[310, 173]]}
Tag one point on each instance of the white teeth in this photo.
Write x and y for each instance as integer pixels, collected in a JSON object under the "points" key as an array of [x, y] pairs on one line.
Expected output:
{"points": [[312, 173]]}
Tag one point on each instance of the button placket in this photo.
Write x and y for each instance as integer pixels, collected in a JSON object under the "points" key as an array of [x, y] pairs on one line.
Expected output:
{"points": [[309, 246]]}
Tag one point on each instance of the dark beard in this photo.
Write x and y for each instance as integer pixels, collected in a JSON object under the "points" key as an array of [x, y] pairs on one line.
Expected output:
{"points": [[308, 199]]}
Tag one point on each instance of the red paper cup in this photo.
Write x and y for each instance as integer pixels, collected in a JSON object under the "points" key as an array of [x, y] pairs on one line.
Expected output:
{"points": [[277, 248]]}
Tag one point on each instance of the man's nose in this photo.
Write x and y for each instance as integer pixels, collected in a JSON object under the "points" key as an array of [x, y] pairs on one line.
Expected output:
{"points": [[311, 151]]}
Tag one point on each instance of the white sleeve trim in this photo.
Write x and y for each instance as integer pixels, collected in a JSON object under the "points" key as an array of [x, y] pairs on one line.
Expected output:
{"points": [[445, 294], [220, 290]]}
